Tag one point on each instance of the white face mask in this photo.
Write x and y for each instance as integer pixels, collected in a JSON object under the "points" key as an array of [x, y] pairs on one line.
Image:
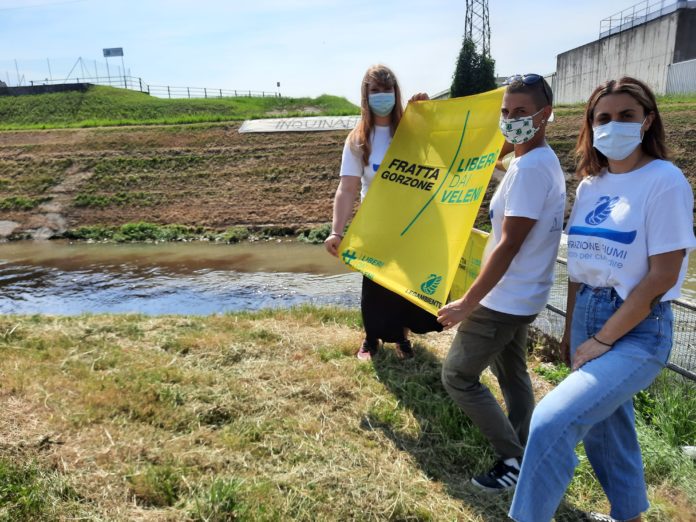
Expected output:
{"points": [[617, 139], [518, 130]]}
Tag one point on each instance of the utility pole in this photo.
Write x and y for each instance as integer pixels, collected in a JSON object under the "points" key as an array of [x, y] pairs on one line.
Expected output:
{"points": [[477, 26]]}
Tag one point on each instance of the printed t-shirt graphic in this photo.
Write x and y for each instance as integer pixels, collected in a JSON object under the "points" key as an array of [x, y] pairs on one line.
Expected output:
{"points": [[619, 220]]}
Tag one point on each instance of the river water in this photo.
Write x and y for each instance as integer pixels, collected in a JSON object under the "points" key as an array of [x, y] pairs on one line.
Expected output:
{"points": [[56, 277]]}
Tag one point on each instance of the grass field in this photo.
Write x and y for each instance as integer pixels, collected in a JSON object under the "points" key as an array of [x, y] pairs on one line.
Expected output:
{"points": [[108, 106], [266, 416]]}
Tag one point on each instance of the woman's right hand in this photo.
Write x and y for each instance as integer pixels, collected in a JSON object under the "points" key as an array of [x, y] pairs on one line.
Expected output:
{"points": [[419, 96], [331, 244]]}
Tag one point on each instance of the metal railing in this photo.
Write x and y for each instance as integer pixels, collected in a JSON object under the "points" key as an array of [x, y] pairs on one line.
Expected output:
{"points": [[160, 91], [551, 322], [638, 14]]}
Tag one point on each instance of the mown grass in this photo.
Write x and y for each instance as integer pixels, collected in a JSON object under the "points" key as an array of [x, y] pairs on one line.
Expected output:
{"points": [[108, 106], [256, 416]]}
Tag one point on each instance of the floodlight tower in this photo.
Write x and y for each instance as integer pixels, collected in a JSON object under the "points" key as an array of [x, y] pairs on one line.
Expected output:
{"points": [[477, 26]]}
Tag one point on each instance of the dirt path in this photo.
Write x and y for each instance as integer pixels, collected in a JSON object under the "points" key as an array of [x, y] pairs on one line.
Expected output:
{"points": [[50, 218]]}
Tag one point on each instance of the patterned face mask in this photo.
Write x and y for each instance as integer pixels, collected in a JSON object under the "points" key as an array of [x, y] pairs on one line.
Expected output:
{"points": [[518, 130]]}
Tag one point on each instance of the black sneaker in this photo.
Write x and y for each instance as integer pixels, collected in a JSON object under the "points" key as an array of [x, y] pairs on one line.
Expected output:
{"points": [[501, 478], [404, 350]]}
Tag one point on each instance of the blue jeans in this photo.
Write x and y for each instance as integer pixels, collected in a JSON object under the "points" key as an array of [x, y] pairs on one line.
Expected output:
{"points": [[594, 404]]}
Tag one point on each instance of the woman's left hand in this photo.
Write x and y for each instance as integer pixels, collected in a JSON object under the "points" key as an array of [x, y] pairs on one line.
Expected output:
{"points": [[587, 351]]}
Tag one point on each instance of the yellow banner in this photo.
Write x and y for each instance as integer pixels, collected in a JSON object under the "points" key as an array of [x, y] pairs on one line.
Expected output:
{"points": [[469, 265], [410, 231]]}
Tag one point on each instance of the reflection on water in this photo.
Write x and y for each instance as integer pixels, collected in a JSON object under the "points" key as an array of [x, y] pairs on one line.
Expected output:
{"points": [[175, 278]]}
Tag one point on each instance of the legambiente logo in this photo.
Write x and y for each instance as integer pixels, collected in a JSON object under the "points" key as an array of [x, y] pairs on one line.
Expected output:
{"points": [[349, 256], [602, 210], [431, 284]]}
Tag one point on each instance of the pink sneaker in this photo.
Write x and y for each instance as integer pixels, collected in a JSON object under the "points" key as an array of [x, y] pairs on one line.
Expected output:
{"points": [[367, 351]]}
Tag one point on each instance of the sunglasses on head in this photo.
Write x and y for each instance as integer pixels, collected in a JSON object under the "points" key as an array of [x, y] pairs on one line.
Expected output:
{"points": [[528, 79]]}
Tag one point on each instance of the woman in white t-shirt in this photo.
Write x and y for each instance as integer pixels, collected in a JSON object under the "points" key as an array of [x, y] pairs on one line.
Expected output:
{"points": [[629, 236], [386, 316]]}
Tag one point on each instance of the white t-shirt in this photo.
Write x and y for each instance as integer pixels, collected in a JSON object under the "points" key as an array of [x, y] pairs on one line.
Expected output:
{"points": [[352, 164], [618, 220], [533, 187]]}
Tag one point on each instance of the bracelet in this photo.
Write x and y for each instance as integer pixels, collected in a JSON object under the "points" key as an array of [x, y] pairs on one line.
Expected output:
{"points": [[335, 234], [600, 342]]}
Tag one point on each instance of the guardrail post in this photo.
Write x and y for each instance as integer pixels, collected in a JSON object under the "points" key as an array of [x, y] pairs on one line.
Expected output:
{"points": [[188, 91], [220, 93], [169, 93], [205, 92], [141, 84]]}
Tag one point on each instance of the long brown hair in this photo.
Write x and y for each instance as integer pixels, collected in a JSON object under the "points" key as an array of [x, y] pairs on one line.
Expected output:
{"points": [[359, 137], [590, 161]]}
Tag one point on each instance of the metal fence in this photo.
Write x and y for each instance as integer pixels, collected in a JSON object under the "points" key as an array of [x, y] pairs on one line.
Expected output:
{"points": [[681, 77], [683, 359], [640, 13], [160, 91]]}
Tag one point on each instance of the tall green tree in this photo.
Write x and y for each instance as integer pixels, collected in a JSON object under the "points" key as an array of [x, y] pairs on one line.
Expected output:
{"points": [[474, 73]]}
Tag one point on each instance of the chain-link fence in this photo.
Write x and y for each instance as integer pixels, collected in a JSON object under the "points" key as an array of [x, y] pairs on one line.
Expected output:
{"points": [[683, 359]]}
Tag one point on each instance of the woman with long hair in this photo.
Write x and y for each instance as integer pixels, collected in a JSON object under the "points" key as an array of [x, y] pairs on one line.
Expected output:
{"points": [[629, 236], [386, 316]]}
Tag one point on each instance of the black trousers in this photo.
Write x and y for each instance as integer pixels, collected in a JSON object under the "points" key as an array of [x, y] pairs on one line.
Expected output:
{"points": [[386, 314]]}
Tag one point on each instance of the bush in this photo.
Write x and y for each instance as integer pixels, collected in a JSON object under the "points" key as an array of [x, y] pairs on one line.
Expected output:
{"points": [[669, 407], [315, 235], [235, 234]]}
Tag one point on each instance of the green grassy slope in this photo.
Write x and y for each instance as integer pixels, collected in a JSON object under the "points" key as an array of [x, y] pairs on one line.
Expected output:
{"points": [[104, 106]]}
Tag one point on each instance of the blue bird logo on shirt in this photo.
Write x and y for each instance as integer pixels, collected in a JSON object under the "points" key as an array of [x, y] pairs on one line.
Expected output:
{"points": [[603, 209]]}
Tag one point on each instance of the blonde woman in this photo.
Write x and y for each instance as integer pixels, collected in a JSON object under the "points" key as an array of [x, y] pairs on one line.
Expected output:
{"points": [[386, 316]]}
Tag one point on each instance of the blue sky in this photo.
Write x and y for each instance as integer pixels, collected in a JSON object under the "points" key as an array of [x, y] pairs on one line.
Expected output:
{"points": [[309, 46]]}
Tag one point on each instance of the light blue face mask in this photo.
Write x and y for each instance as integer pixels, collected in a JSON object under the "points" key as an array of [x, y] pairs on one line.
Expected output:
{"points": [[381, 103], [617, 139]]}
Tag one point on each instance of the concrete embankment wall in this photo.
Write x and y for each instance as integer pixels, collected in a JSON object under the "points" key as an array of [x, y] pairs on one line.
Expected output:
{"points": [[645, 52]]}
